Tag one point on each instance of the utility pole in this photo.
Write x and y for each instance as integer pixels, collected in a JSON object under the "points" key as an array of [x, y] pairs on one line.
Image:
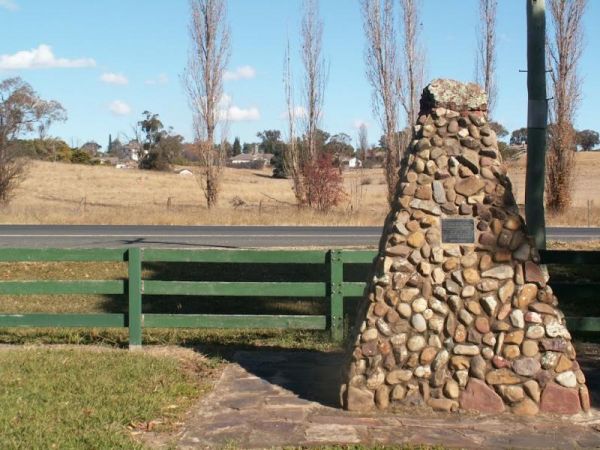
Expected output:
{"points": [[537, 120]]}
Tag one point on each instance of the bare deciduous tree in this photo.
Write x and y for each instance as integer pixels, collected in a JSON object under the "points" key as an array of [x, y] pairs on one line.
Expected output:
{"points": [[565, 47], [485, 70], [381, 58], [203, 79], [21, 111], [413, 61], [315, 76], [293, 160], [363, 142]]}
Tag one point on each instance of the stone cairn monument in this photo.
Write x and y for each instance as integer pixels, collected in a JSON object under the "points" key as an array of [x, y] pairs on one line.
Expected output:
{"points": [[458, 314]]}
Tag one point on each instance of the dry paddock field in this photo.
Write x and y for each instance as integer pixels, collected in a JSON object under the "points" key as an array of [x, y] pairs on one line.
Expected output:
{"points": [[58, 193]]}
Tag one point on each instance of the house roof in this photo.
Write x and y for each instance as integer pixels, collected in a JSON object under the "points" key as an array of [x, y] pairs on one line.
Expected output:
{"points": [[243, 157], [247, 157]]}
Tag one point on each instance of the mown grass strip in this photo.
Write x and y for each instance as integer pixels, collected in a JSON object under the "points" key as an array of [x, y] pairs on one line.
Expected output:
{"points": [[86, 399], [222, 339]]}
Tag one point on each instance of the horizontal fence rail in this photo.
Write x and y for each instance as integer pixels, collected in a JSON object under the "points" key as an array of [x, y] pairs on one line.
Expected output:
{"points": [[237, 256], [40, 320], [63, 254], [235, 289], [109, 287], [333, 288], [234, 321]]}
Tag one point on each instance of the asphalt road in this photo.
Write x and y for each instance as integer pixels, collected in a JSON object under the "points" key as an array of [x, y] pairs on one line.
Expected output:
{"points": [[213, 236]]}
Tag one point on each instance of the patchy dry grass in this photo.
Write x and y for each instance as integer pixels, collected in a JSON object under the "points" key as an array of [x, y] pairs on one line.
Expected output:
{"points": [[75, 194], [58, 193]]}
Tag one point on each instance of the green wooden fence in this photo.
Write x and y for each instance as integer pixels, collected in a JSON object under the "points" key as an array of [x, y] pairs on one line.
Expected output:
{"points": [[334, 288]]}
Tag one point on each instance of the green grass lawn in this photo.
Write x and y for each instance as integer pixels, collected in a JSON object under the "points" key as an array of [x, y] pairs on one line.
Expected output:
{"points": [[76, 398]]}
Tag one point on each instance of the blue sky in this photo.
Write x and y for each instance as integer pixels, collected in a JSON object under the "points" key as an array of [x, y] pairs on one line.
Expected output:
{"points": [[107, 61]]}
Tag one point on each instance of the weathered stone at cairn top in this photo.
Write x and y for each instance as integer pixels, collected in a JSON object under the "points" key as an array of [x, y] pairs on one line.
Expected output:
{"points": [[453, 95], [458, 314]]}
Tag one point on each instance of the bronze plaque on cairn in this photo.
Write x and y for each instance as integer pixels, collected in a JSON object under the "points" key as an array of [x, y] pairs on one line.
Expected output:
{"points": [[458, 231]]}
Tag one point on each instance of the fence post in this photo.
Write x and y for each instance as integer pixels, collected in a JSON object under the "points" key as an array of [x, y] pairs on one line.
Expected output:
{"points": [[336, 299], [134, 266]]}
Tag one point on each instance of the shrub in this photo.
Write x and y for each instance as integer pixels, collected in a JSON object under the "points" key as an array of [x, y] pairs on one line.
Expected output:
{"points": [[80, 157], [237, 201], [257, 164], [278, 164], [324, 182], [372, 164], [155, 160]]}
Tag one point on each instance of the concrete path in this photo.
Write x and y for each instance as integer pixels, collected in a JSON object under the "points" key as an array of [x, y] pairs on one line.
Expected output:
{"points": [[271, 399]]}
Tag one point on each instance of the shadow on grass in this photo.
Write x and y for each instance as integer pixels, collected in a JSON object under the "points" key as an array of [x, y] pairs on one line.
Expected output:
{"points": [[275, 356], [250, 304]]}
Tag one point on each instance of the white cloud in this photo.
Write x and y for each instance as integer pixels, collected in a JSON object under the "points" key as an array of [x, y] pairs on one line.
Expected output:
{"points": [[119, 108], [161, 79], [41, 58], [237, 114], [114, 78], [9, 5], [300, 112], [232, 113], [225, 101], [241, 73], [358, 123]]}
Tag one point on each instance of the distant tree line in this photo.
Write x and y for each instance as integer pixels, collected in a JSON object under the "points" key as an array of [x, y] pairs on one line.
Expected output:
{"points": [[585, 140]]}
